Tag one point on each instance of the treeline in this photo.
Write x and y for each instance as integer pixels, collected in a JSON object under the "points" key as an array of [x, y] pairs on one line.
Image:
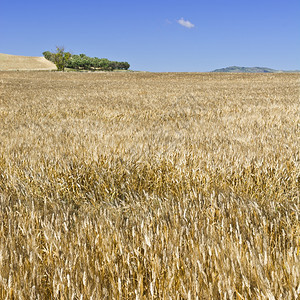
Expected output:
{"points": [[83, 62]]}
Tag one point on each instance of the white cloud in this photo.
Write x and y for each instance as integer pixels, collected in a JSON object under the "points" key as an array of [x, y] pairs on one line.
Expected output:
{"points": [[185, 23]]}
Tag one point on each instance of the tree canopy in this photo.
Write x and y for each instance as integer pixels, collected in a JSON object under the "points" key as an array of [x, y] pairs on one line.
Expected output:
{"points": [[60, 57], [83, 62]]}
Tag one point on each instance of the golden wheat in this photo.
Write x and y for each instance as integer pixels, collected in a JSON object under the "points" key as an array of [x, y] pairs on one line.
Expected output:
{"points": [[149, 186]]}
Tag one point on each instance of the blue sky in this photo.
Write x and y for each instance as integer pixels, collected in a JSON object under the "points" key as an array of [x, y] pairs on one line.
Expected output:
{"points": [[158, 35]]}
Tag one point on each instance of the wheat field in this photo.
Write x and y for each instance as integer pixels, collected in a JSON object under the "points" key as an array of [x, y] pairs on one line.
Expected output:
{"points": [[149, 186]]}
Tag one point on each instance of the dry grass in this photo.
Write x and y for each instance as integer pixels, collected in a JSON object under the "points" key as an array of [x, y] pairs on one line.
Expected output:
{"points": [[149, 186], [17, 62]]}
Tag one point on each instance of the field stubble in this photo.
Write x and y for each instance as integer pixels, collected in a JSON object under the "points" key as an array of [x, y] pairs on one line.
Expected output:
{"points": [[149, 186]]}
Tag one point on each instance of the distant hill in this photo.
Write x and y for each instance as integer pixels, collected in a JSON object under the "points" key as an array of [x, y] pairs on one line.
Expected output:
{"points": [[17, 62], [235, 69]]}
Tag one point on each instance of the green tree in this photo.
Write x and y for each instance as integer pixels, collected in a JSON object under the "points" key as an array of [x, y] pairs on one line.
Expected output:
{"points": [[123, 65], [61, 58], [48, 55], [64, 59]]}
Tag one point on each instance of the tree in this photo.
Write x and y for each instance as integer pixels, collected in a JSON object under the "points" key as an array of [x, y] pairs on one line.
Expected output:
{"points": [[48, 55], [64, 59], [124, 65], [61, 58]]}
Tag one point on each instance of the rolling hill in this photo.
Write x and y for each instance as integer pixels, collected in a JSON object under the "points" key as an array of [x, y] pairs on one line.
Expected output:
{"points": [[235, 69], [16, 62]]}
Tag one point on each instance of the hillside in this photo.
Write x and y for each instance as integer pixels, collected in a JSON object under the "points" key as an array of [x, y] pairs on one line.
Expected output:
{"points": [[235, 69], [17, 62]]}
